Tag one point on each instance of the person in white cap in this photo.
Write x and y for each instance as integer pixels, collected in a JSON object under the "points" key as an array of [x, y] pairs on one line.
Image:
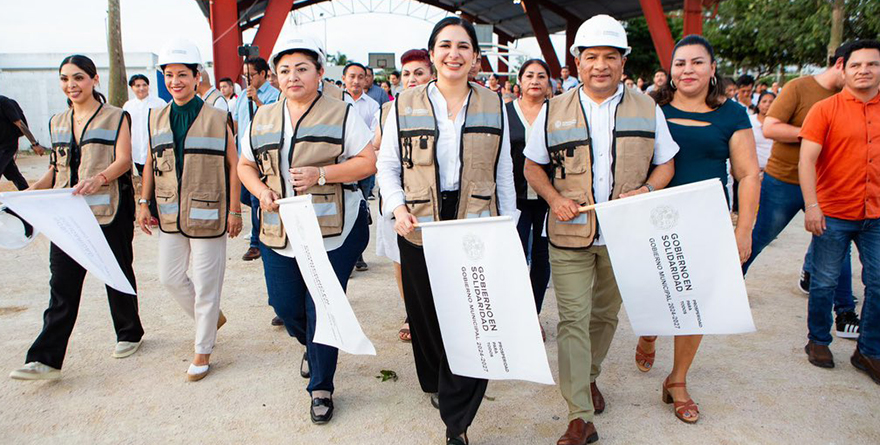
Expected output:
{"points": [[333, 151], [191, 174], [600, 141]]}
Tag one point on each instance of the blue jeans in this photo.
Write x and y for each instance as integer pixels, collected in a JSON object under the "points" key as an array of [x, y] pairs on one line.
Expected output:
{"points": [[254, 203], [530, 226], [829, 249], [290, 298], [366, 185], [780, 202]]}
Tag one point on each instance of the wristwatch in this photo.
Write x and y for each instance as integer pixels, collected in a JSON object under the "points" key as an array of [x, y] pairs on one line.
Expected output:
{"points": [[648, 186], [321, 176], [144, 201]]}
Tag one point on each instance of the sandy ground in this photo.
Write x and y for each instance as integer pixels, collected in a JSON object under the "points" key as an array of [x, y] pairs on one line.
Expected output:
{"points": [[756, 388]]}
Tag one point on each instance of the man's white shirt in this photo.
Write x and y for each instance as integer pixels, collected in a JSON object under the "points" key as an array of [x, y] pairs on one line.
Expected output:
{"points": [[140, 138], [600, 120], [365, 107]]}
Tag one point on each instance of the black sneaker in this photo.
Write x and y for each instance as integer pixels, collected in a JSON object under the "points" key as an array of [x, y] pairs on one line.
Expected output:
{"points": [[804, 282], [847, 325], [361, 265]]}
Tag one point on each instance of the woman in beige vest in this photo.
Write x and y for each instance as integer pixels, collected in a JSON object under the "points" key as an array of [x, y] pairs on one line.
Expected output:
{"points": [[91, 152], [190, 173], [416, 69], [332, 152], [422, 178]]}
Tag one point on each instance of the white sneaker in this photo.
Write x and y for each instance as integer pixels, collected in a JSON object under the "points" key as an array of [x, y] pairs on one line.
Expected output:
{"points": [[125, 349], [35, 371]]}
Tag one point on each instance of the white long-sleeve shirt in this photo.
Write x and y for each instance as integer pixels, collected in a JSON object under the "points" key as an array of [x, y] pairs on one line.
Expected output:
{"points": [[448, 162], [139, 112]]}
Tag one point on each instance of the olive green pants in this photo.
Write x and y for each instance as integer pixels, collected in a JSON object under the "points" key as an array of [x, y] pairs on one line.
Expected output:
{"points": [[588, 300]]}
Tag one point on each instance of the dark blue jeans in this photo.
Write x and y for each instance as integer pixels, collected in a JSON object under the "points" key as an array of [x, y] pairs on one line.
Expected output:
{"points": [[530, 226], [366, 185], [254, 203], [828, 250], [292, 302], [780, 202]]}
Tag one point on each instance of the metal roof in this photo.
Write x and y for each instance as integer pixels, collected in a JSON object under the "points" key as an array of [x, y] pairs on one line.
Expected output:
{"points": [[507, 17]]}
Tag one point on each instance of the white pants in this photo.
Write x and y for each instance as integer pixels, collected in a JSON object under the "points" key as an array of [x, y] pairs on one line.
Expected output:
{"points": [[199, 297]]}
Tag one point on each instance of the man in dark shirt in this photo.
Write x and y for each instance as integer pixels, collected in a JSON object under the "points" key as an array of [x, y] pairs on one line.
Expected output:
{"points": [[13, 125]]}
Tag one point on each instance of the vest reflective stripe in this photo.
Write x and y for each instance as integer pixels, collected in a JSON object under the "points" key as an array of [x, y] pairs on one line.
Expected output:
{"points": [[568, 144], [95, 152], [194, 201], [480, 148], [317, 141]]}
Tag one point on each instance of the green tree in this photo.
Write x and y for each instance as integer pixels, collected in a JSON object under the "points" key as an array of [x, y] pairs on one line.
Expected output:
{"points": [[337, 59], [643, 60]]}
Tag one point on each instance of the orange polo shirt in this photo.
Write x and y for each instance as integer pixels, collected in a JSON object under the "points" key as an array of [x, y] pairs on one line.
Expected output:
{"points": [[848, 168]]}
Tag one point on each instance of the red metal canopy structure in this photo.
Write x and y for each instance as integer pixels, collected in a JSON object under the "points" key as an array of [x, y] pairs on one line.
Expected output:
{"points": [[511, 20]]}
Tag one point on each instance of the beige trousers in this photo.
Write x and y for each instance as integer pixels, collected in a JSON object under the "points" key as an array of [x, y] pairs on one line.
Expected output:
{"points": [[200, 296], [588, 300]]}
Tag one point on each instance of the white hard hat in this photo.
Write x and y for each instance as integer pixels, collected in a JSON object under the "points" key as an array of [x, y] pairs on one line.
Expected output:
{"points": [[297, 41], [600, 30], [180, 50], [15, 233]]}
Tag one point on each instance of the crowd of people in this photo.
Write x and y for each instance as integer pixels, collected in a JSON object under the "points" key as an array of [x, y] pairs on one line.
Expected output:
{"points": [[443, 147]]}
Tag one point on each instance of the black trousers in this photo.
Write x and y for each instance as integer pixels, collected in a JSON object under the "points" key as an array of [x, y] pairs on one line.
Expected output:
{"points": [[460, 397], [66, 291], [10, 170]]}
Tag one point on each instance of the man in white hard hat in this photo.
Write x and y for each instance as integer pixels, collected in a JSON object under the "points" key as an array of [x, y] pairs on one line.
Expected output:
{"points": [[601, 141]]}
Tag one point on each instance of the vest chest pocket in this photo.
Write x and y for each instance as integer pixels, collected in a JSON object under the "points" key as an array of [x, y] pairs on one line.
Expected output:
{"points": [[267, 160], [420, 204], [204, 211], [329, 204], [575, 160], [61, 161], [420, 149], [480, 200], [164, 165]]}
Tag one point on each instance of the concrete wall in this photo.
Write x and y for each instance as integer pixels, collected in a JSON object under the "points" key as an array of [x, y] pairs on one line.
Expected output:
{"points": [[31, 79]]}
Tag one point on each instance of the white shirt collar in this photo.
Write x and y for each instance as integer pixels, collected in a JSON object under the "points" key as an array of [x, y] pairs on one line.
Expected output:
{"points": [[615, 97]]}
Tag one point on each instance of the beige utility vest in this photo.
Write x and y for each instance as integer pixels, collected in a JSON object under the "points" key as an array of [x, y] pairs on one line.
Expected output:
{"points": [[568, 144], [97, 150], [194, 201], [213, 97], [317, 142], [331, 90], [481, 136]]}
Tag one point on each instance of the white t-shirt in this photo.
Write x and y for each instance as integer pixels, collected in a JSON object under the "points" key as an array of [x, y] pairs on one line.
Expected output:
{"points": [[600, 119], [357, 136], [762, 144], [140, 138]]}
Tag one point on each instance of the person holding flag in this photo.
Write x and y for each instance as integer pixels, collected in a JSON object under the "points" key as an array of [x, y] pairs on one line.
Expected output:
{"points": [[445, 155], [333, 151], [600, 141], [91, 152]]}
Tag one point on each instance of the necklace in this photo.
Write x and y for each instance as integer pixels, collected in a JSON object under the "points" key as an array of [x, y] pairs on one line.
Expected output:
{"points": [[79, 120]]}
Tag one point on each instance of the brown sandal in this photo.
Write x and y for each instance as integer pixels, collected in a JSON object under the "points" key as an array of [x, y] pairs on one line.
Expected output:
{"points": [[404, 334], [681, 408], [644, 360]]}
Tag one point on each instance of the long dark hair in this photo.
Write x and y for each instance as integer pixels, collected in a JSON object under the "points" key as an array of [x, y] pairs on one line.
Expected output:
{"points": [[714, 97], [85, 64]]}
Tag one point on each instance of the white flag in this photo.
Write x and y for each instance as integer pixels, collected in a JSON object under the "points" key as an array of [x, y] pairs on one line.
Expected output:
{"points": [[70, 224], [484, 300], [336, 324], [676, 262]]}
